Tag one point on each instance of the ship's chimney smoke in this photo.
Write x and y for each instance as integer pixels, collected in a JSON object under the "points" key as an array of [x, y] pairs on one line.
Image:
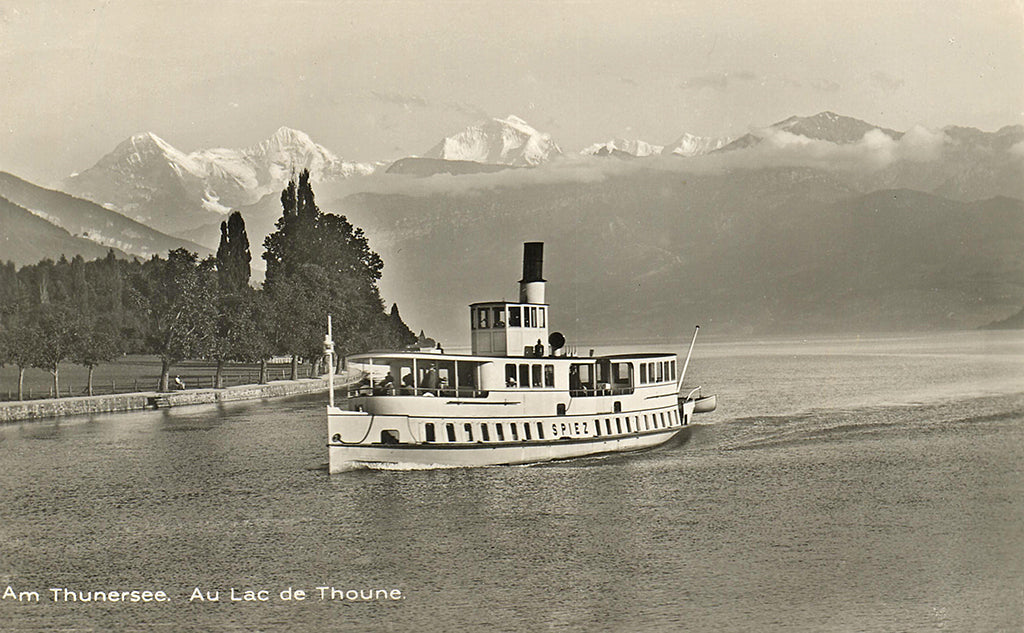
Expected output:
{"points": [[531, 286]]}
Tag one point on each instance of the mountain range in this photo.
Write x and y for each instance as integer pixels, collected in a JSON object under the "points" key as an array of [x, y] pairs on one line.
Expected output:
{"points": [[646, 255], [812, 223], [148, 179], [83, 227]]}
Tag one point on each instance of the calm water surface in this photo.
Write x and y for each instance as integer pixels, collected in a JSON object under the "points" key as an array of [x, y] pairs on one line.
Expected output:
{"points": [[844, 485]]}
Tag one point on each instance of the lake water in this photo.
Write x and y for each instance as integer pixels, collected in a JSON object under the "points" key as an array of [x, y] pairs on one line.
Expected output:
{"points": [[847, 484]]}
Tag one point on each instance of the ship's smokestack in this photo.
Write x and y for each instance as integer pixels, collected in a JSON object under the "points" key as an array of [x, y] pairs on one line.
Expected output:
{"points": [[531, 286]]}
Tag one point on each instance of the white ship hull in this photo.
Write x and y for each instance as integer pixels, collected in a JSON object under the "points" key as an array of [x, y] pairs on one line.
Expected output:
{"points": [[405, 457], [351, 444]]}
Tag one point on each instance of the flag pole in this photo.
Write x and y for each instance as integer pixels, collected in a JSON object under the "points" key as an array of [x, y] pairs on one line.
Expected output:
{"points": [[329, 353], [682, 374]]}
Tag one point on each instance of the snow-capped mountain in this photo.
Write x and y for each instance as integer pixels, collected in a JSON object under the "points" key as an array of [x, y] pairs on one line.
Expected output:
{"points": [[508, 141], [622, 147], [691, 145], [147, 178], [824, 126]]}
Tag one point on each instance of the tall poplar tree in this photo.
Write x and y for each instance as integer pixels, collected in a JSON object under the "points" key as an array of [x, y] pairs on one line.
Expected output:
{"points": [[320, 264], [233, 256]]}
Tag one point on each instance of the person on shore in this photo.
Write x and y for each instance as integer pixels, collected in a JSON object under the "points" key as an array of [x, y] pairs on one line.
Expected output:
{"points": [[179, 384]]}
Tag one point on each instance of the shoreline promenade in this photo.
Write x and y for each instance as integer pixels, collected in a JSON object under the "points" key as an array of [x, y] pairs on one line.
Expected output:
{"points": [[84, 405]]}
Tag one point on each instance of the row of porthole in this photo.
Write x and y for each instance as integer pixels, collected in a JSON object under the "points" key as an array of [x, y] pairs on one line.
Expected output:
{"points": [[651, 422]]}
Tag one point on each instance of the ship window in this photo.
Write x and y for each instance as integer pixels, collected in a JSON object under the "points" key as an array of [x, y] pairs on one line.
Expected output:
{"points": [[533, 317], [514, 429], [643, 373], [560, 409], [500, 431], [469, 432], [618, 425], [540, 317], [549, 375], [485, 433], [647, 423], [536, 376], [524, 375], [672, 368], [510, 375], [540, 431], [514, 319], [430, 432], [629, 427], [499, 317], [661, 377], [466, 374], [526, 431], [597, 427], [617, 407], [450, 430], [481, 318], [662, 415], [389, 436]]}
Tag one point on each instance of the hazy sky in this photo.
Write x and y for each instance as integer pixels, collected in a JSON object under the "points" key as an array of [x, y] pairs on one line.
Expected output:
{"points": [[387, 78]]}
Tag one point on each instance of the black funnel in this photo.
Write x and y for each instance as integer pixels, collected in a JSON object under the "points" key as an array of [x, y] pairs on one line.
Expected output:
{"points": [[533, 262]]}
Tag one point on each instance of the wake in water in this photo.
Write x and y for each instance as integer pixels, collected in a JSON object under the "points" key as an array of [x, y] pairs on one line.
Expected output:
{"points": [[838, 425]]}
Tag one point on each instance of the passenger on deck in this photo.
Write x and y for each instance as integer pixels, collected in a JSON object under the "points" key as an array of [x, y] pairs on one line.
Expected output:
{"points": [[430, 379], [538, 349], [407, 385], [387, 385]]}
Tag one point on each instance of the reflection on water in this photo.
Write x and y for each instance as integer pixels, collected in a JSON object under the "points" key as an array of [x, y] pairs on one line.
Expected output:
{"points": [[844, 485]]}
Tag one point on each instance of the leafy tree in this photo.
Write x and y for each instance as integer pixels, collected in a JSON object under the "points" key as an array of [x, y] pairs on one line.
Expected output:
{"points": [[238, 332], [60, 328], [18, 344], [320, 264], [98, 342], [177, 300]]}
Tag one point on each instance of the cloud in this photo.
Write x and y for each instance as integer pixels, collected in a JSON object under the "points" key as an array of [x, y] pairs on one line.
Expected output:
{"points": [[778, 148], [876, 150], [404, 100], [467, 108], [887, 83], [824, 85], [716, 81], [921, 145]]}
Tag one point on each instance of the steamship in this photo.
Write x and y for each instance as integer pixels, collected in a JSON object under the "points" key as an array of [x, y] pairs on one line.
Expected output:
{"points": [[520, 397]]}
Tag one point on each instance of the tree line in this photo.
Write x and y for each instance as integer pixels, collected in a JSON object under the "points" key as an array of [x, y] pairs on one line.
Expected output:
{"points": [[182, 307]]}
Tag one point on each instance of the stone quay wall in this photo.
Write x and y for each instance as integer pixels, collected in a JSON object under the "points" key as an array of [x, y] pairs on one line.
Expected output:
{"points": [[86, 405]]}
